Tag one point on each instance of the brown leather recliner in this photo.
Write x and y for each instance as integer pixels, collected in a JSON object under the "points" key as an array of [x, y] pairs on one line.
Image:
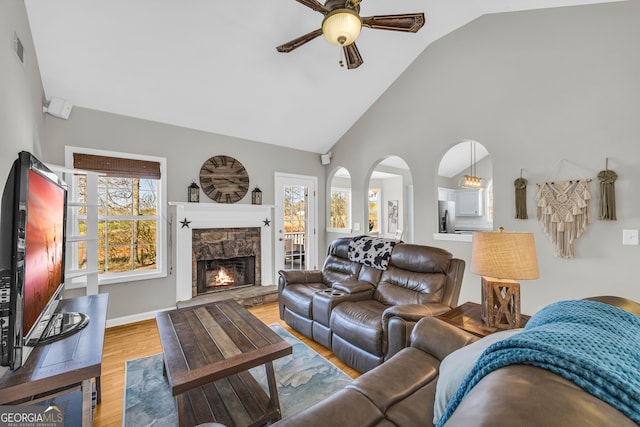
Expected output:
{"points": [[376, 309], [420, 281], [401, 391], [296, 288]]}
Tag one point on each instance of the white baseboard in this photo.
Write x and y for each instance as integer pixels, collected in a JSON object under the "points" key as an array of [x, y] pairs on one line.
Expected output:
{"points": [[124, 320]]}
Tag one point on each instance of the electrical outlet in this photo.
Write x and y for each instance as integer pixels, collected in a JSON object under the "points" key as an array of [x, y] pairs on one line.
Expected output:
{"points": [[630, 237]]}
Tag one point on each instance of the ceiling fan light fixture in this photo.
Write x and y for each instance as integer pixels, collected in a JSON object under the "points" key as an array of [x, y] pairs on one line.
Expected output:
{"points": [[341, 27]]}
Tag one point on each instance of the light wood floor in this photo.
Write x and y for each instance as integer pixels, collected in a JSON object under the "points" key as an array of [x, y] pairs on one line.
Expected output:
{"points": [[141, 339]]}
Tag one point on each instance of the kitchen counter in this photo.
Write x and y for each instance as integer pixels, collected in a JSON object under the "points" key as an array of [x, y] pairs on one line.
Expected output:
{"points": [[461, 236]]}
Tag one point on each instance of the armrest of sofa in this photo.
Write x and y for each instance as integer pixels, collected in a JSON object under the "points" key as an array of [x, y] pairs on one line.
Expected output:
{"points": [[439, 338], [398, 322], [413, 312], [353, 286], [288, 277]]}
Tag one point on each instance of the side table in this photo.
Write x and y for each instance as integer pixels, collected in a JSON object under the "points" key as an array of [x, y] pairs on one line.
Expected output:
{"points": [[68, 364], [468, 318]]}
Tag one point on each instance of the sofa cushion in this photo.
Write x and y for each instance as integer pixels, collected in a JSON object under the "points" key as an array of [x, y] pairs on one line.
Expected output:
{"points": [[405, 287], [344, 408], [336, 270], [340, 247], [416, 275], [455, 367], [359, 323], [399, 377], [298, 297], [421, 259]]}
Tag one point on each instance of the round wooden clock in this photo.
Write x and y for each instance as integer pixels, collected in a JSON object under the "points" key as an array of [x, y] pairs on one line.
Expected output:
{"points": [[224, 179]]}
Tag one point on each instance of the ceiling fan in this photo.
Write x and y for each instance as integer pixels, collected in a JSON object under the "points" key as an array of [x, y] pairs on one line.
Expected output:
{"points": [[342, 23]]}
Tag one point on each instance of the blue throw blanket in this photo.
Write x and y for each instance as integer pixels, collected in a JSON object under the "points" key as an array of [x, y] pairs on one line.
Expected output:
{"points": [[595, 345]]}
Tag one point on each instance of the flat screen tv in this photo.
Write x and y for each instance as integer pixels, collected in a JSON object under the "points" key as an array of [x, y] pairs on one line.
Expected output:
{"points": [[32, 252]]}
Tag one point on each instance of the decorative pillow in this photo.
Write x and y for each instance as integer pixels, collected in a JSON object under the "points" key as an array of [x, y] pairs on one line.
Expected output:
{"points": [[372, 251], [455, 367]]}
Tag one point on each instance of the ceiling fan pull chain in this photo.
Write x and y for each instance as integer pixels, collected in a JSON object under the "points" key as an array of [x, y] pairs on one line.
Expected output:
{"points": [[341, 59]]}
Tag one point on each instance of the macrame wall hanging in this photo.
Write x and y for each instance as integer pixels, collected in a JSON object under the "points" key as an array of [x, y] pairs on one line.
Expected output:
{"points": [[563, 212], [521, 197], [607, 180]]}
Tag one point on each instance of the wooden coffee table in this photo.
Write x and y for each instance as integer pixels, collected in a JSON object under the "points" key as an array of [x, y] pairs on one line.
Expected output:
{"points": [[208, 350]]}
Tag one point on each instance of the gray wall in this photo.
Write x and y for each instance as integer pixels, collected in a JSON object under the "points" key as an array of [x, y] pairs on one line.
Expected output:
{"points": [[21, 95], [534, 88], [185, 150]]}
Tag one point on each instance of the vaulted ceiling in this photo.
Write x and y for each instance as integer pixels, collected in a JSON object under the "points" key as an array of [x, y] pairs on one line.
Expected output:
{"points": [[212, 65]]}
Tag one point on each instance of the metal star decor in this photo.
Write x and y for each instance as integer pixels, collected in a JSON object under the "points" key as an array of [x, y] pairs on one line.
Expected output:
{"points": [[267, 222], [185, 223]]}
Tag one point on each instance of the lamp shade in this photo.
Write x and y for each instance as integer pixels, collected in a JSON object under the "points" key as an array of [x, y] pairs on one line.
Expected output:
{"points": [[341, 27], [504, 255]]}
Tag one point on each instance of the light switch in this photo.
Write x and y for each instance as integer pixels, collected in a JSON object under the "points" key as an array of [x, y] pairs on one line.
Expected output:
{"points": [[629, 237], [356, 226]]}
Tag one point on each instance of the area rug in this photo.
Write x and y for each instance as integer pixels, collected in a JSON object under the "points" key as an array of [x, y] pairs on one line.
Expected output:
{"points": [[303, 378]]}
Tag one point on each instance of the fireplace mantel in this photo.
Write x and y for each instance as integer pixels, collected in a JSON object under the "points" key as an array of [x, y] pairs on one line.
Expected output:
{"points": [[216, 215]]}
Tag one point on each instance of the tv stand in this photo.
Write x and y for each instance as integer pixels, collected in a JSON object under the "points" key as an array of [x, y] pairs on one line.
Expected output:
{"points": [[62, 325], [68, 364]]}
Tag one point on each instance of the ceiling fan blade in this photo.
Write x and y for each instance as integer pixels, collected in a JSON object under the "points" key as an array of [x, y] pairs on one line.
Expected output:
{"points": [[411, 22], [315, 5], [352, 55], [295, 43]]}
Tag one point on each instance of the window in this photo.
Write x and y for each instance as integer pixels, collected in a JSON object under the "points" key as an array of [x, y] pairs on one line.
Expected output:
{"points": [[340, 209], [130, 195], [374, 210]]}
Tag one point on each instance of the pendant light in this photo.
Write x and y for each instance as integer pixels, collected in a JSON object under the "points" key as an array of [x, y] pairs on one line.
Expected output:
{"points": [[472, 180]]}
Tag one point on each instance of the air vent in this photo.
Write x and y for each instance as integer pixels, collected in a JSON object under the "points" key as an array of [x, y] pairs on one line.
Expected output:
{"points": [[18, 47]]}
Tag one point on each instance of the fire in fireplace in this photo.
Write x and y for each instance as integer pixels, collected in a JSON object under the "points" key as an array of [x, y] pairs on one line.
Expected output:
{"points": [[225, 258], [221, 274], [222, 278]]}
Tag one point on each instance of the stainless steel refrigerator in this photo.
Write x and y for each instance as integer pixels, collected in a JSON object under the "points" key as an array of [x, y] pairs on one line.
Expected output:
{"points": [[446, 217]]}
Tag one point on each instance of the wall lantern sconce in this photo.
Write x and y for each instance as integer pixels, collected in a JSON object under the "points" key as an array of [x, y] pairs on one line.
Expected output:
{"points": [[193, 194], [256, 196]]}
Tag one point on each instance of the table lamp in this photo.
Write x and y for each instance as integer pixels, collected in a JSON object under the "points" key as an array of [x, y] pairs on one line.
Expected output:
{"points": [[501, 259]]}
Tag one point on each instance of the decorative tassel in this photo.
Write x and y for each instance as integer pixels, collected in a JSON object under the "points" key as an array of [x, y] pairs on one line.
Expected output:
{"points": [[607, 180], [563, 212], [521, 198]]}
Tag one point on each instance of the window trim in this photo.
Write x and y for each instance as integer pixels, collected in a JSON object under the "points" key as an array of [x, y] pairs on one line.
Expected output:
{"points": [[349, 197], [161, 245]]}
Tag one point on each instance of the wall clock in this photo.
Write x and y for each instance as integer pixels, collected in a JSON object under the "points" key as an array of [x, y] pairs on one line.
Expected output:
{"points": [[224, 179]]}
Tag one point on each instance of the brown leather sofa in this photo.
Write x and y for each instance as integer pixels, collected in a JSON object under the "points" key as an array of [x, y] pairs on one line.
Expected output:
{"points": [[401, 391], [364, 314]]}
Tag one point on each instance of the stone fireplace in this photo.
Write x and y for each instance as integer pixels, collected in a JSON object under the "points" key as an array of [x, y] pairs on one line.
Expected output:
{"points": [[209, 237], [225, 258]]}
